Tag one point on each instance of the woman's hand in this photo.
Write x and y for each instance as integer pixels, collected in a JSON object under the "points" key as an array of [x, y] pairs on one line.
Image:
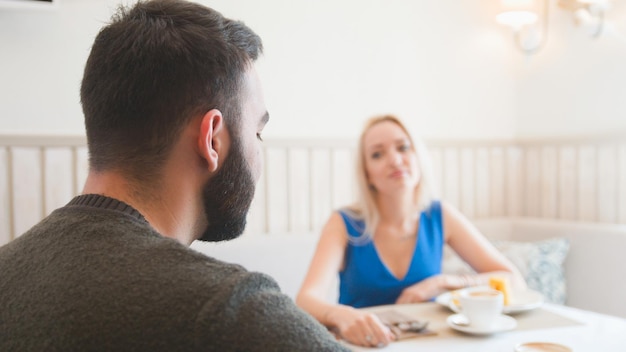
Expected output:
{"points": [[359, 327], [424, 290]]}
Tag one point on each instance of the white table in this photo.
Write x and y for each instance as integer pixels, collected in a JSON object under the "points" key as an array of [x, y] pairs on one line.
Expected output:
{"points": [[578, 329]]}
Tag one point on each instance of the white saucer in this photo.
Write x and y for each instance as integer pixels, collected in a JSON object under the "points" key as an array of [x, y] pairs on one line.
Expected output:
{"points": [[541, 346], [521, 301], [504, 323]]}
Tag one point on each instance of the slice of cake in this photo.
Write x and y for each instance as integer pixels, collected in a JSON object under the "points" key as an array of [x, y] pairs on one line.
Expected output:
{"points": [[501, 284]]}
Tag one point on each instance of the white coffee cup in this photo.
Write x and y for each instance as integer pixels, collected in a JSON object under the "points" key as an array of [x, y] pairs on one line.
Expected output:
{"points": [[482, 306]]}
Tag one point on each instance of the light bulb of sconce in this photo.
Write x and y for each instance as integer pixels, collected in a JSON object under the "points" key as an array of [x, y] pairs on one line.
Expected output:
{"points": [[517, 13], [583, 17], [595, 6], [517, 19]]}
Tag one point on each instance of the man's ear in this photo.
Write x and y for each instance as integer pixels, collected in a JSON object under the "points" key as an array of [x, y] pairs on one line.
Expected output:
{"points": [[210, 140]]}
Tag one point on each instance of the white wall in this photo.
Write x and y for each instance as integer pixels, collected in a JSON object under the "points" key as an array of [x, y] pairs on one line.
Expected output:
{"points": [[443, 65], [42, 55], [330, 64], [575, 86]]}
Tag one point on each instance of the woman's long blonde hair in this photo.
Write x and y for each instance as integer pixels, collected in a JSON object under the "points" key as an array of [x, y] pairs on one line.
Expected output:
{"points": [[365, 207]]}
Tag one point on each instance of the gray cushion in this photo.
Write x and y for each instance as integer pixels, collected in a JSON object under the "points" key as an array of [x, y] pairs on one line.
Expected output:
{"points": [[541, 264]]}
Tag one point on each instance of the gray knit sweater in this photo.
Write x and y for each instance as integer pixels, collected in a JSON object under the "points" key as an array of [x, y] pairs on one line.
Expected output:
{"points": [[94, 276]]}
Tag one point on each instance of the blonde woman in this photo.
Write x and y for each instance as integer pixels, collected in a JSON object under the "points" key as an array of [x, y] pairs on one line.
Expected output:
{"points": [[388, 247]]}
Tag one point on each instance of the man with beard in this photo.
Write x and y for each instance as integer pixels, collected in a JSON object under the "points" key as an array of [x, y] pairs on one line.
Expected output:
{"points": [[173, 112]]}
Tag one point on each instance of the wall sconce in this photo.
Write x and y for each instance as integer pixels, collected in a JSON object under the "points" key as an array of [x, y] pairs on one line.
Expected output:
{"points": [[528, 22], [588, 13]]}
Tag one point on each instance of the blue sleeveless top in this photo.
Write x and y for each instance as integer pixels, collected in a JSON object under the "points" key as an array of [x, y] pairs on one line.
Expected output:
{"points": [[366, 281]]}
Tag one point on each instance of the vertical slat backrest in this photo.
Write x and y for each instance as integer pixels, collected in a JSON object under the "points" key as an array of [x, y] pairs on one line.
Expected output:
{"points": [[39, 174], [304, 180]]}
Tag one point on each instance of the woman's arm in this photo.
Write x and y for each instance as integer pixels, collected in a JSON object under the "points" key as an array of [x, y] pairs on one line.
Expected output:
{"points": [[326, 263], [476, 250], [355, 326], [467, 241]]}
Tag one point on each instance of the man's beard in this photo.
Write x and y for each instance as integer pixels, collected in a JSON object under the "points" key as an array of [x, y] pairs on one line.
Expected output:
{"points": [[227, 197]]}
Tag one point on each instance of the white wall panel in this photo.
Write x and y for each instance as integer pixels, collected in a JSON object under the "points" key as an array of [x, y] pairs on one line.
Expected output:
{"points": [[532, 182], [321, 183], [483, 181], [568, 183], [59, 177], [497, 176], [587, 183], [450, 178], [548, 190], [343, 178], [621, 185], [514, 180], [6, 197], [299, 190], [28, 195], [607, 183], [305, 180], [436, 157], [467, 181]]}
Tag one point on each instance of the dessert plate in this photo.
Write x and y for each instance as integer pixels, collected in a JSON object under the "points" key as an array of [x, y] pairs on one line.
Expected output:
{"points": [[459, 322], [521, 301]]}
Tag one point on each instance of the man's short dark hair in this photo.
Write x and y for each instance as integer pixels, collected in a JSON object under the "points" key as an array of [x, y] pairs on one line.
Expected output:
{"points": [[151, 70]]}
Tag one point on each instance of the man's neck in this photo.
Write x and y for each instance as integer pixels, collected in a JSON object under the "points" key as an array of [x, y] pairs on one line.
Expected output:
{"points": [[164, 211]]}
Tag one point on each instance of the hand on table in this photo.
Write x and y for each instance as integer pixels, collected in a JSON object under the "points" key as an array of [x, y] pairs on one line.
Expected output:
{"points": [[359, 327], [423, 290]]}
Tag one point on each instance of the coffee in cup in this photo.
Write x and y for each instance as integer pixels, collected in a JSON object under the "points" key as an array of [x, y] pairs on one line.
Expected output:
{"points": [[482, 307]]}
